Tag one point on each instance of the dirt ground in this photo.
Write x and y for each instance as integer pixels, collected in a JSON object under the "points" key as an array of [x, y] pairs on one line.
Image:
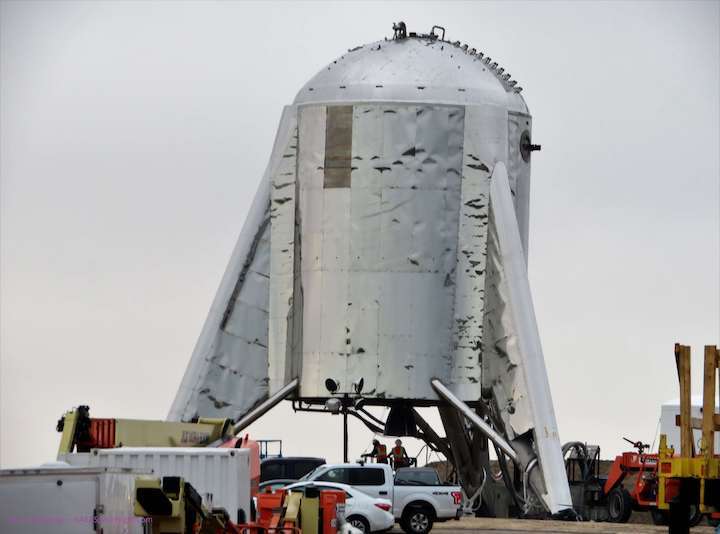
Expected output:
{"points": [[514, 526]]}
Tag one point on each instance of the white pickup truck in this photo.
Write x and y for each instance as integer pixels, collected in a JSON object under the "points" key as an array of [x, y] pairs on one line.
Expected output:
{"points": [[418, 497]]}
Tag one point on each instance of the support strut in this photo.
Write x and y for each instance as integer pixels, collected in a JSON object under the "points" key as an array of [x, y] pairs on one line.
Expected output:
{"points": [[485, 428], [261, 409]]}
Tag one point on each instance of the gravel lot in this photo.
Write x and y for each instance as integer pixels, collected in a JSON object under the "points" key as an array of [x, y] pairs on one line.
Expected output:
{"points": [[514, 526]]}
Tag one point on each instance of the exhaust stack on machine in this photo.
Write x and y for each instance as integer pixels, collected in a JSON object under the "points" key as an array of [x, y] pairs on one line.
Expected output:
{"points": [[384, 259]]}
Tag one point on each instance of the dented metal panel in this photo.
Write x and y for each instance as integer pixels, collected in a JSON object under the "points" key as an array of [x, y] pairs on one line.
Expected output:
{"points": [[519, 172], [515, 359], [228, 370], [378, 257], [381, 279], [412, 71], [282, 266]]}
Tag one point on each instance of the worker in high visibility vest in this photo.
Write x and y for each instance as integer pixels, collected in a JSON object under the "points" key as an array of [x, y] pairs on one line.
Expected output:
{"points": [[399, 455], [379, 452]]}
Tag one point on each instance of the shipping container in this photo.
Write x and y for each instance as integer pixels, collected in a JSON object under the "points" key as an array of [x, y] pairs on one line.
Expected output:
{"points": [[220, 476], [62, 499]]}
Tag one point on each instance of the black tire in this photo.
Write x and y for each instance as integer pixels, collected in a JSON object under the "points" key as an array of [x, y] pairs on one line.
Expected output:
{"points": [[662, 517], [695, 515], [359, 522], [619, 505], [679, 518], [659, 517], [417, 520]]}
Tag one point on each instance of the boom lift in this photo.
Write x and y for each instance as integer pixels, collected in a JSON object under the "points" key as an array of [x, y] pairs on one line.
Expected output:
{"points": [[81, 433]]}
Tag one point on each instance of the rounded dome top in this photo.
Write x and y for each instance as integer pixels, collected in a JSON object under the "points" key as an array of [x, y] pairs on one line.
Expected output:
{"points": [[417, 68]]}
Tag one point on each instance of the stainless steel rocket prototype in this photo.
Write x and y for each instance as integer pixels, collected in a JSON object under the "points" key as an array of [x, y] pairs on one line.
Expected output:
{"points": [[387, 244]]}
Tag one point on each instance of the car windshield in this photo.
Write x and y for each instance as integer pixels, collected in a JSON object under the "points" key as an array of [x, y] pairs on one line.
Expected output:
{"points": [[311, 473]]}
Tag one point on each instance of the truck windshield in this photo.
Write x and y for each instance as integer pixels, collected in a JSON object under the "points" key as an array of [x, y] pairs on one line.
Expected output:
{"points": [[417, 477]]}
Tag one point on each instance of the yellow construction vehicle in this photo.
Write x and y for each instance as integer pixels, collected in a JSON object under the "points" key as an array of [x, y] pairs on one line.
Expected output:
{"points": [[691, 479], [81, 433], [171, 505]]}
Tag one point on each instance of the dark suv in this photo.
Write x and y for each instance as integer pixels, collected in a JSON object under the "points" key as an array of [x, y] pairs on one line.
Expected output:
{"points": [[290, 468]]}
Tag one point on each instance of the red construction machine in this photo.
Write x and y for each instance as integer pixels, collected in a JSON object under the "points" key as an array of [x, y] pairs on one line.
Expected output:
{"points": [[638, 471]]}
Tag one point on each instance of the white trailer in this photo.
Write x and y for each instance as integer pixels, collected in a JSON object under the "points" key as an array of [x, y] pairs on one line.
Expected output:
{"points": [[670, 410], [62, 499], [221, 476]]}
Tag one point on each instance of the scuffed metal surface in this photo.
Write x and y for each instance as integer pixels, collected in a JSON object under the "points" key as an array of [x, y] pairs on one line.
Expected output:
{"points": [[519, 173], [412, 70], [378, 258], [282, 266], [501, 372], [482, 148], [514, 365], [228, 371], [382, 280]]}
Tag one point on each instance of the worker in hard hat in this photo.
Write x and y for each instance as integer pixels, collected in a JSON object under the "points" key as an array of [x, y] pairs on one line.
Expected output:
{"points": [[379, 452], [399, 455]]}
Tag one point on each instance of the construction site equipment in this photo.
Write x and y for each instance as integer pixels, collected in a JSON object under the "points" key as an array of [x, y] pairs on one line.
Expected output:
{"points": [[630, 485], [68, 500], [582, 463], [220, 476], [642, 468], [267, 446], [314, 512], [255, 456], [690, 478], [82, 433], [171, 505]]}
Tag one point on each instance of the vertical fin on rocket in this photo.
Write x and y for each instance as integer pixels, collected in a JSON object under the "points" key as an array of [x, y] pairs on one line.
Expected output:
{"points": [[228, 371], [514, 372]]}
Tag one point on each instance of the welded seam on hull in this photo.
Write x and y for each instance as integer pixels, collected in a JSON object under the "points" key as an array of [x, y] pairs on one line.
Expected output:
{"points": [[246, 267]]}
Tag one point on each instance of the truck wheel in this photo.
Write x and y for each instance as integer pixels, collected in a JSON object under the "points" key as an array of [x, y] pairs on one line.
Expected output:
{"points": [[695, 515], [417, 521], [619, 505], [359, 523], [679, 518], [659, 517]]}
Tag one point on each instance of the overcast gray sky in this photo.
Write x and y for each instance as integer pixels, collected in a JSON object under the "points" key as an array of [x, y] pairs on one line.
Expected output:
{"points": [[133, 135]]}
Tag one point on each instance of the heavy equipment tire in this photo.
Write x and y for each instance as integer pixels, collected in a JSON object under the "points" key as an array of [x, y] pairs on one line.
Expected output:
{"points": [[659, 517], [619, 505], [359, 523], [695, 515], [679, 518], [417, 520]]}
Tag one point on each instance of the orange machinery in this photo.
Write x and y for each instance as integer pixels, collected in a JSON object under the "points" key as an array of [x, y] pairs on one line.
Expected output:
{"points": [[315, 512]]}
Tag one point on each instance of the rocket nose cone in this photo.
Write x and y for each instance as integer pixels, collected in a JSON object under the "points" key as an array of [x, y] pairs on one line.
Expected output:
{"points": [[419, 67]]}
